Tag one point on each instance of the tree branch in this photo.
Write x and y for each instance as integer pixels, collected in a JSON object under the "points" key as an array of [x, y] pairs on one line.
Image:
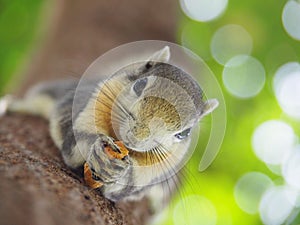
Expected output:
{"points": [[36, 186]]}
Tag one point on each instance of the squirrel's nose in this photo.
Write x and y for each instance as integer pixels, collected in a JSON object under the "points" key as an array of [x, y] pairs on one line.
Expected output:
{"points": [[140, 131]]}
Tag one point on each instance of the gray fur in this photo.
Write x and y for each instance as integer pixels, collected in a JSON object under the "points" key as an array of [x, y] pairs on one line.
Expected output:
{"points": [[54, 89], [175, 75]]}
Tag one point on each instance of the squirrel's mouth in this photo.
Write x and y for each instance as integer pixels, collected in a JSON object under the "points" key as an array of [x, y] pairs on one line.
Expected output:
{"points": [[136, 149], [142, 146]]}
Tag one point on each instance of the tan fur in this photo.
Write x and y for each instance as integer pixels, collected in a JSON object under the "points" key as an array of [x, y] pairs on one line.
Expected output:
{"points": [[37, 105], [160, 108], [104, 103], [155, 107], [147, 158]]}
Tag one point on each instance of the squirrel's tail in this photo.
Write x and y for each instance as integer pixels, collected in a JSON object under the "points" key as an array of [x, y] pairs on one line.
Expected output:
{"points": [[40, 100]]}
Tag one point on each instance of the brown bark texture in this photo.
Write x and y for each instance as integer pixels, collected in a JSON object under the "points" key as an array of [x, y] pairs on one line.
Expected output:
{"points": [[36, 187]]}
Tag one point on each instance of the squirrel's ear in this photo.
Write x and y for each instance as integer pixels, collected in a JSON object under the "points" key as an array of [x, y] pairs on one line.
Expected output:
{"points": [[209, 106], [162, 55]]}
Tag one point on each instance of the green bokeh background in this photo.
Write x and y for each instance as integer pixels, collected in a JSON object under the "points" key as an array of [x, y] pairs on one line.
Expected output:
{"points": [[273, 47], [19, 23]]}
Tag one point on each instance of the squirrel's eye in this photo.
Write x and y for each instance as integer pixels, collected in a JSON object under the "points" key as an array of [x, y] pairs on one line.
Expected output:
{"points": [[139, 86], [184, 134], [95, 177]]}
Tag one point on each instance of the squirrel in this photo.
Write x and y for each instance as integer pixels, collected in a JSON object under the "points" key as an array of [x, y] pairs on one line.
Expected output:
{"points": [[150, 106]]}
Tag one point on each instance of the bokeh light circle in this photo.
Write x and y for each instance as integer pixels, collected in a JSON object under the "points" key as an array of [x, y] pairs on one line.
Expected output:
{"points": [[203, 10], [291, 169], [194, 210], [275, 169], [273, 141], [249, 190], [291, 18], [286, 85], [229, 41], [276, 205], [289, 95], [244, 76], [283, 71]]}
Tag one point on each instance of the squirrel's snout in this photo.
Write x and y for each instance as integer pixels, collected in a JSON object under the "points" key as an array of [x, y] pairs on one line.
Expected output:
{"points": [[140, 131]]}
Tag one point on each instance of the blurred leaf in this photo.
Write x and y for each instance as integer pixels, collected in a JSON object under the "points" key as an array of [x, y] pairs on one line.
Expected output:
{"points": [[18, 24]]}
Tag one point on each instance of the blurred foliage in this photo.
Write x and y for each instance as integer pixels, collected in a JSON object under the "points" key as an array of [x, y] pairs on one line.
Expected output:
{"points": [[19, 21], [273, 47]]}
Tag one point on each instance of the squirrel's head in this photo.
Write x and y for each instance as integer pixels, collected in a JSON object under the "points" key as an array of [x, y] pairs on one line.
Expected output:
{"points": [[159, 104]]}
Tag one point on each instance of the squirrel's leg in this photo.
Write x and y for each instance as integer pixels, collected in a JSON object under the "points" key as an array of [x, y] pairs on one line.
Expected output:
{"points": [[107, 168], [90, 148], [79, 146]]}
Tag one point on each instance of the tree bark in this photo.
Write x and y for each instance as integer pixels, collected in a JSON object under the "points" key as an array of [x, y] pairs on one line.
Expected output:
{"points": [[36, 186]]}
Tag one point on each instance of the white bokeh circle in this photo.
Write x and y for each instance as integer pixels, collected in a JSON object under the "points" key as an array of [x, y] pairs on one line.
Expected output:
{"points": [[249, 190], [283, 71], [229, 41], [273, 141], [286, 85], [291, 18], [276, 205], [203, 10], [244, 76], [291, 169]]}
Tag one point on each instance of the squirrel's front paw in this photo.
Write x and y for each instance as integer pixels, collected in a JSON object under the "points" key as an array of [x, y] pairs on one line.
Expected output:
{"points": [[108, 160]]}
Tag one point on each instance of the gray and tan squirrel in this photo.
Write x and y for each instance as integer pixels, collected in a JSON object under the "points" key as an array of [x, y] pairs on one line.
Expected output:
{"points": [[151, 107]]}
